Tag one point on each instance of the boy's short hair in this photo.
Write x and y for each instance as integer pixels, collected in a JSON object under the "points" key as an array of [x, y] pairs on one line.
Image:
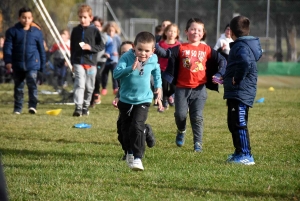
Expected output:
{"points": [[144, 37], [85, 8], [240, 26], [24, 10]]}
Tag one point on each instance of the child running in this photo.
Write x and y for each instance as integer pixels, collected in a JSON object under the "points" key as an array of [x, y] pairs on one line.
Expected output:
{"points": [[170, 38], [134, 72], [188, 71], [240, 81], [148, 133]]}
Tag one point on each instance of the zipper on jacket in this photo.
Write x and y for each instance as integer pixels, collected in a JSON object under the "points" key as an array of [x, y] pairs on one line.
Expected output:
{"points": [[24, 49]]}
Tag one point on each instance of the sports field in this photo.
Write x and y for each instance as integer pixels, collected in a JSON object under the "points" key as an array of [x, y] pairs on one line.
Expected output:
{"points": [[45, 158]]}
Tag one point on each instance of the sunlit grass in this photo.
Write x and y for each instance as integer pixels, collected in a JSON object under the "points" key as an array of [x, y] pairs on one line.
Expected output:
{"points": [[45, 158]]}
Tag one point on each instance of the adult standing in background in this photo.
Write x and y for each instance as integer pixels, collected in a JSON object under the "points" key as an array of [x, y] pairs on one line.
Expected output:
{"points": [[222, 45]]}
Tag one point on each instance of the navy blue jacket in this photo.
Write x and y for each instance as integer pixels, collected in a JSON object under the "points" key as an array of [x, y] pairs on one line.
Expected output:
{"points": [[24, 49], [90, 35], [244, 53]]}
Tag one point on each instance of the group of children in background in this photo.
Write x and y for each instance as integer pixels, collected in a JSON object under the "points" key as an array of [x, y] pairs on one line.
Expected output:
{"points": [[177, 69]]}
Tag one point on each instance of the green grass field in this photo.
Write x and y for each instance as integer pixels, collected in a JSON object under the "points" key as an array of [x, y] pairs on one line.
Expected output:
{"points": [[45, 158]]}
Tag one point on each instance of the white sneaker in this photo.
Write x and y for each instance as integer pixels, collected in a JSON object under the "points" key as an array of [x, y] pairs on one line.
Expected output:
{"points": [[17, 112], [137, 165], [32, 110], [129, 160]]}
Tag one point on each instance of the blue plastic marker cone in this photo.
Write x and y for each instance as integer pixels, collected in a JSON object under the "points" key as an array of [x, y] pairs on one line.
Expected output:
{"points": [[261, 100]]}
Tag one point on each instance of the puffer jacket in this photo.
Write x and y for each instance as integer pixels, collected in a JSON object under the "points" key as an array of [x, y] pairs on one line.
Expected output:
{"points": [[242, 67], [24, 49]]}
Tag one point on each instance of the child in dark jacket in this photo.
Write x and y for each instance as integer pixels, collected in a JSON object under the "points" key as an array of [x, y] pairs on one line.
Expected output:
{"points": [[24, 53], [240, 81], [86, 42]]}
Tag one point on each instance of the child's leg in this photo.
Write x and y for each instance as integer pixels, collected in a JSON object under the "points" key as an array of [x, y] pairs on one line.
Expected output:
{"points": [[137, 127], [114, 82], [237, 119], [19, 78], [125, 120], [32, 88], [181, 107], [165, 86], [89, 86], [105, 76], [79, 85], [197, 101]]}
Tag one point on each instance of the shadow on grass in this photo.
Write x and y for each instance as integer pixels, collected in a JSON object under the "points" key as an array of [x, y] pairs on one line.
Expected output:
{"points": [[63, 155], [62, 141]]}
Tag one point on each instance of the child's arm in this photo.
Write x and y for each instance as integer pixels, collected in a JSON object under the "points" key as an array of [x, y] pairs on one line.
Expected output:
{"points": [[161, 52], [41, 49], [97, 47], [221, 61], [173, 65], [157, 85], [7, 49], [123, 68]]}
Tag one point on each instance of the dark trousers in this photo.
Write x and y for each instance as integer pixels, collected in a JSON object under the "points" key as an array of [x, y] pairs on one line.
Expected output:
{"points": [[19, 79], [168, 89], [133, 118], [109, 67], [237, 120]]}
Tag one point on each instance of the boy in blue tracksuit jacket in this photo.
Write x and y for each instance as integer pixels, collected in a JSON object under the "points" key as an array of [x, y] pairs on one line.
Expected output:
{"points": [[24, 54], [240, 82], [134, 72]]}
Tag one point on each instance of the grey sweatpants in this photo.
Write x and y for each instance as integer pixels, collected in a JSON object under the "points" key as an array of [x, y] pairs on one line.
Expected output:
{"points": [[83, 85], [192, 100]]}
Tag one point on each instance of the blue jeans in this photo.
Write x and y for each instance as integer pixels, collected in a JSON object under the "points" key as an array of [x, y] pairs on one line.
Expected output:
{"points": [[192, 101], [19, 79]]}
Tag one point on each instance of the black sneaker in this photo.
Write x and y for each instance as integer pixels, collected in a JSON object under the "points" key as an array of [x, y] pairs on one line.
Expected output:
{"points": [[77, 113], [150, 140], [85, 112]]}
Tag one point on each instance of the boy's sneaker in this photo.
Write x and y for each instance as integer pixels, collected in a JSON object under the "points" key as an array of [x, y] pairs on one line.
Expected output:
{"points": [[161, 110], [85, 112], [171, 101], [129, 160], [77, 113], [150, 140], [16, 112], [97, 99], [32, 110], [104, 92], [231, 156], [180, 138], [197, 147], [242, 159], [137, 165]]}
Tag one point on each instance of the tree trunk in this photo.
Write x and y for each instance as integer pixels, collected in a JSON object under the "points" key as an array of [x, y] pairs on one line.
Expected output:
{"points": [[291, 40], [278, 53]]}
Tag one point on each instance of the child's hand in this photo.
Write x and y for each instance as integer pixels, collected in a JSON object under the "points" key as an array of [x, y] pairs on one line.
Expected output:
{"points": [[217, 80], [233, 82], [158, 94], [115, 102], [9, 67], [160, 105], [136, 64], [86, 47]]}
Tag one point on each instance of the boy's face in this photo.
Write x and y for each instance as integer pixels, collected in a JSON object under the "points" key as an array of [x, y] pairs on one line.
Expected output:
{"points": [[195, 32], [144, 50], [85, 19], [26, 19], [98, 25]]}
